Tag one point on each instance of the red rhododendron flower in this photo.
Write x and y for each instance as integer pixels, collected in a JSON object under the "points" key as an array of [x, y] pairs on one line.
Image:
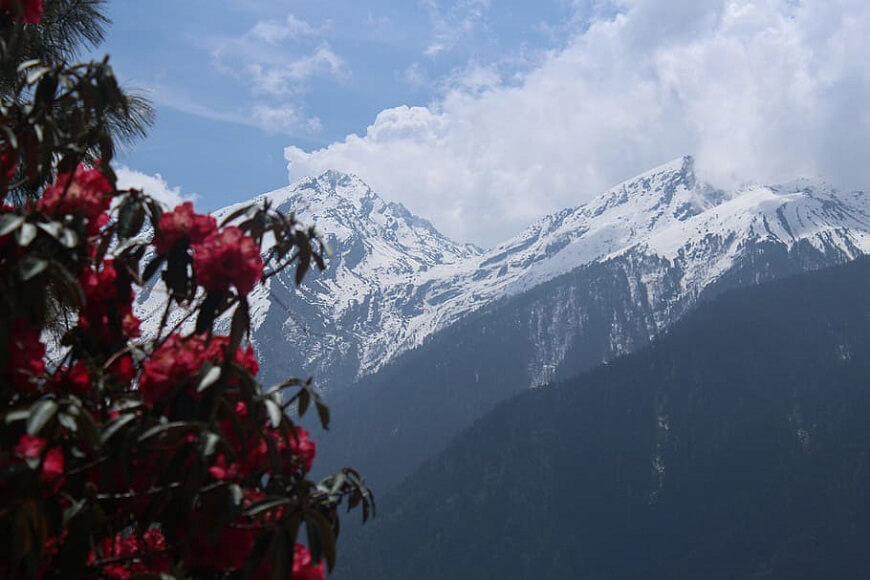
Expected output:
{"points": [[220, 470], [182, 223], [124, 369], [130, 322], [31, 446], [100, 285], [229, 552], [174, 364], [244, 357], [25, 352], [7, 164], [76, 380], [140, 556], [300, 449], [86, 192], [31, 9], [108, 313], [80, 378], [228, 258], [178, 361], [303, 566], [52, 468], [303, 448]]}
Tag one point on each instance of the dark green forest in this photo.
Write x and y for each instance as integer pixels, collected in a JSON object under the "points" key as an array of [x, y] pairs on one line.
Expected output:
{"points": [[734, 447]]}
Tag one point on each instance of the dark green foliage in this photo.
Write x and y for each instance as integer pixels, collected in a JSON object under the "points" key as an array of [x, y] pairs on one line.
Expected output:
{"points": [[68, 29], [735, 447]]}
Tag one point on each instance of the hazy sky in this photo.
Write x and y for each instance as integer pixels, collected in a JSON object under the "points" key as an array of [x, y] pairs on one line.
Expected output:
{"points": [[482, 115]]}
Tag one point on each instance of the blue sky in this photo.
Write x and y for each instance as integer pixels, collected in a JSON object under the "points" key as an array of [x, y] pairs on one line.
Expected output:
{"points": [[483, 115], [234, 82]]}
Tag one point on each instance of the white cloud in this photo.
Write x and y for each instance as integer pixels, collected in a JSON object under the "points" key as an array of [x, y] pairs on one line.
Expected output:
{"points": [[274, 31], [277, 58], [153, 185], [758, 90], [283, 119], [450, 25], [415, 75]]}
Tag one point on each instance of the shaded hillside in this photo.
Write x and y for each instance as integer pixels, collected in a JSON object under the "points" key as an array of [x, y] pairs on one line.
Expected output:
{"points": [[391, 422], [735, 447]]}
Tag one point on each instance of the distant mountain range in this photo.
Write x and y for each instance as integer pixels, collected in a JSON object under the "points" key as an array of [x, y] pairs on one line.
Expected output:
{"points": [[394, 281], [415, 337], [734, 448]]}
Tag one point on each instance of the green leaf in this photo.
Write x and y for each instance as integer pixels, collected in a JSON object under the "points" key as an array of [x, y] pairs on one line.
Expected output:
{"points": [[325, 535], [69, 238], [9, 223], [26, 234], [210, 377], [275, 413], [265, 506], [45, 91], [72, 511], [237, 494], [322, 413], [29, 64], [208, 312], [240, 326], [257, 554], [115, 426], [68, 421], [51, 228], [236, 214], [164, 428], [304, 401], [211, 441], [36, 72], [31, 266], [17, 415], [40, 414], [152, 267], [131, 217]]}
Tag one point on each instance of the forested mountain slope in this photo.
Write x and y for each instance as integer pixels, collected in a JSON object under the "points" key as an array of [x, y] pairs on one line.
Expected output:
{"points": [[735, 447]]}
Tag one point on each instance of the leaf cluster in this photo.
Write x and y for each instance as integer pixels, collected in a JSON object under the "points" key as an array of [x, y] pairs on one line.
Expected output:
{"points": [[130, 467]]}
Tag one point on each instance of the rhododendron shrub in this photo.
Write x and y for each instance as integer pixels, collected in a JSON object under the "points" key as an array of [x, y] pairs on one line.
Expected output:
{"points": [[124, 454], [30, 11]]}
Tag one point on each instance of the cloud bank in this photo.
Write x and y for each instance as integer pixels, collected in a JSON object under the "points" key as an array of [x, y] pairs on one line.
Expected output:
{"points": [[153, 185], [762, 90]]}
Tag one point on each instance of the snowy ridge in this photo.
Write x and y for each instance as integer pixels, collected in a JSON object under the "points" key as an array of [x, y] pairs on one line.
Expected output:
{"points": [[666, 213], [394, 280]]}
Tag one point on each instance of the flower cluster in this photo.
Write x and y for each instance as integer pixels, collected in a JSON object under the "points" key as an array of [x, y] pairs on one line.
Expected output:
{"points": [[108, 313], [31, 10], [84, 193], [303, 567], [127, 452], [7, 164], [31, 447], [228, 258], [182, 225], [232, 548], [125, 556], [295, 451], [177, 364], [25, 355]]}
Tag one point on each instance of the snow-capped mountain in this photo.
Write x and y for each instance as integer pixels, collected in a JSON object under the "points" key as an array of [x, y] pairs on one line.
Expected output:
{"points": [[394, 280], [341, 321], [578, 288]]}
